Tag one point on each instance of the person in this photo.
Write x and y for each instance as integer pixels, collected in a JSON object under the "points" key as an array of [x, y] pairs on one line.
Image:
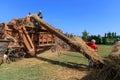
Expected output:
{"points": [[93, 46], [29, 14], [40, 14]]}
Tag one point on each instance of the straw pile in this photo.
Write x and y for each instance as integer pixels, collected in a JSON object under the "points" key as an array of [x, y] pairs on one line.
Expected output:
{"points": [[112, 70], [26, 21], [109, 72], [115, 53]]}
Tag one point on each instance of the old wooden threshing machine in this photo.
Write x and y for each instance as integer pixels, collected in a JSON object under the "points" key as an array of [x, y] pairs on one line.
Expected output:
{"points": [[32, 34], [25, 36]]}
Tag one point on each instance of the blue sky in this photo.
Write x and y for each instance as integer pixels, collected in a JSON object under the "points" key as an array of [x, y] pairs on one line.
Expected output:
{"points": [[73, 16]]}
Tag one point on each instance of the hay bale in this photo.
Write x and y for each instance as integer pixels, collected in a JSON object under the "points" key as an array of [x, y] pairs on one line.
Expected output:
{"points": [[115, 53]]}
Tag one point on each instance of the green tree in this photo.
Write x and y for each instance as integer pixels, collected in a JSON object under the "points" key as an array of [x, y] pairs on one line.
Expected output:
{"points": [[104, 40], [85, 36], [109, 35], [113, 35], [99, 38]]}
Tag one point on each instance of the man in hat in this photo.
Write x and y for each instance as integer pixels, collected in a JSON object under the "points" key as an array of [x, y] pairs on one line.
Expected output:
{"points": [[93, 46]]}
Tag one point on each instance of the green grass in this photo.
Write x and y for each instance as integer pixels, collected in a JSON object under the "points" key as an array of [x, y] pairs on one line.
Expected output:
{"points": [[104, 50], [45, 71], [73, 57], [26, 72], [20, 72]]}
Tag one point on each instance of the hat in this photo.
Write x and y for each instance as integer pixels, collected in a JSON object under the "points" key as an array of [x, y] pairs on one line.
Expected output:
{"points": [[93, 41]]}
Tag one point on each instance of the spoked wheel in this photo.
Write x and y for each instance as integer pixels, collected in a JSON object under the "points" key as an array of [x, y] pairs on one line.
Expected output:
{"points": [[56, 49], [53, 49], [21, 54], [16, 54]]}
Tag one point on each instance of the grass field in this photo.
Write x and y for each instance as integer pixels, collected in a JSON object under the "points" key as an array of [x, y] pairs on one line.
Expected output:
{"points": [[68, 66]]}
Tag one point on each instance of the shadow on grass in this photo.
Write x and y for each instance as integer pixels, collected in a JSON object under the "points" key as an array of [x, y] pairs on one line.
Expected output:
{"points": [[80, 67]]}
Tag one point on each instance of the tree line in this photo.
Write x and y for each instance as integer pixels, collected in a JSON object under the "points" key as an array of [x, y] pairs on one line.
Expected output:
{"points": [[108, 38]]}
